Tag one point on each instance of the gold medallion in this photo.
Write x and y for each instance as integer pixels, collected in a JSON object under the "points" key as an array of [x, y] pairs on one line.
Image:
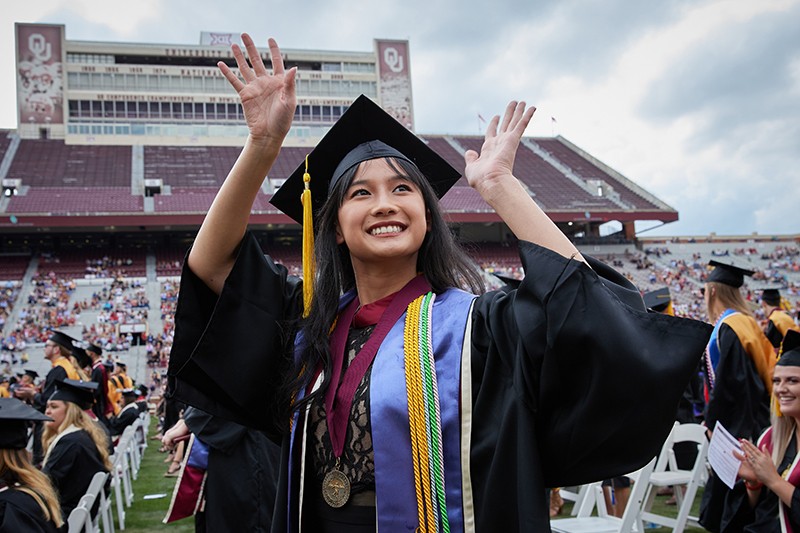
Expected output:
{"points": [[336, 488]]}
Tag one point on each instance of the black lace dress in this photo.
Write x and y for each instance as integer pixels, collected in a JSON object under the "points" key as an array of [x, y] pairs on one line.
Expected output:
{"points": [[356, 462]]}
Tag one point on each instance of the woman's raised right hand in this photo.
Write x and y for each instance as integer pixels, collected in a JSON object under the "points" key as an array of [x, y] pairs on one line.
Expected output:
{"points": [[268, 100]]}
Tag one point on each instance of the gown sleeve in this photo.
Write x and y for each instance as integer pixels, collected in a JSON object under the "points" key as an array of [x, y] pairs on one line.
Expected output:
{"points": [[231, 352], [740, 399], [572, 372]]}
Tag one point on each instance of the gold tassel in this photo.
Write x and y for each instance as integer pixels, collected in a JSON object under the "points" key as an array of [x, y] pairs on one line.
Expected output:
{"points": [[309, 266], [776, 408]]}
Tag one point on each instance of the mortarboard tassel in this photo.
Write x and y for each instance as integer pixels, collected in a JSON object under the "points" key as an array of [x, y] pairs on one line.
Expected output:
{"points": [[309, 266]]}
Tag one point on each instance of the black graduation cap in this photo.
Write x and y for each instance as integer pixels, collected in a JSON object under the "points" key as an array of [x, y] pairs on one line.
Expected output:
{"points": [[15, 416], [62, 339], [790, 349], [122, 365], [728, 274], [142, 389], [130, 393], [32, 373], [94, 349], [364, 132], [771, 296], [81, 356], [75, 391], [657, 300]]}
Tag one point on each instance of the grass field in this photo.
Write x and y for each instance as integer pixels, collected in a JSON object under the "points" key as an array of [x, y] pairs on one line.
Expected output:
{"points": [[147, 515]]}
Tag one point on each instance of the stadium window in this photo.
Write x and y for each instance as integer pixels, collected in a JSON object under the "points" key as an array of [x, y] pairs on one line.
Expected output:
{"points": [[122, 129], [97, 129], [108, 129], [233, 111], [316, 112], [86, 108], [73, 109], [152, 82], [198, 111], [220, 111], [108, 109], [119, 109], [166, 109], [83, 129], [137, 129], [120, 81], [143, 111], [97, 109], [326, 113]]}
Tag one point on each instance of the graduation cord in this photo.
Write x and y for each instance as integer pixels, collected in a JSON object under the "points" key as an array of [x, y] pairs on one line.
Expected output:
{"points": [[424, 417]]}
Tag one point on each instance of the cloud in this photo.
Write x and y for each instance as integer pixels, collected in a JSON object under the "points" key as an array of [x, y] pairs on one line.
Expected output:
{"points": [[697, 101]]}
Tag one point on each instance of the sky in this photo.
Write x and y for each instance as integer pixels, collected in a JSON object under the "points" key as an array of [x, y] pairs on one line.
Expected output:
{"points": [[696, 101]]}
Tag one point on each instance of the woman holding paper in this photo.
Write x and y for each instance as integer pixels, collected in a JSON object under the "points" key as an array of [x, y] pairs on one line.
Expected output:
{"points": [[770, 470]]}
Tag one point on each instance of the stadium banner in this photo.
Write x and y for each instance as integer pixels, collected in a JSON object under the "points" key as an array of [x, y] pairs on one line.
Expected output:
{"points": [[394, 80], [40, 82]]}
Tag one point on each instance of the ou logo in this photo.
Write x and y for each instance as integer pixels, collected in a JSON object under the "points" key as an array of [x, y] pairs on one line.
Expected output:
{"points": [[393, 59], [39, 46]]}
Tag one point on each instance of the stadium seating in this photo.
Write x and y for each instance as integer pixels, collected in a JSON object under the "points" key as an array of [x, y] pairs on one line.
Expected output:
{"points": [[76, 200], [68, 165]]}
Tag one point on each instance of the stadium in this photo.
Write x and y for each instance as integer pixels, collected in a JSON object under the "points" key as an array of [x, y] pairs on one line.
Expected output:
{"points": [[121, 148]]}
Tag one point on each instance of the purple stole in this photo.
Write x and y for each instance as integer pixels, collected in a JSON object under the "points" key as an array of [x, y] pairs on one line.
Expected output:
{"points": [[394, 476], [793, 477]]}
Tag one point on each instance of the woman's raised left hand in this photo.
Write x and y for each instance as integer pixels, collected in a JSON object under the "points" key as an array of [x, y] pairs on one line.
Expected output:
{"points": [[496, 160]]}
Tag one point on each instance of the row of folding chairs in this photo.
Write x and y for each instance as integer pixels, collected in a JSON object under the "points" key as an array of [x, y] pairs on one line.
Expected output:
{"points": [[662, 471], [125, 464]]}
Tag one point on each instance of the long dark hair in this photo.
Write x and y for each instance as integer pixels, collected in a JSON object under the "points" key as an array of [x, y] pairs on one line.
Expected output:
{"points": [[440, 259]]}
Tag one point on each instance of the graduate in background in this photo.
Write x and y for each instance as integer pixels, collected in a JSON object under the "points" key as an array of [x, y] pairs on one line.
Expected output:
{"points": [[527, 388], [778, 320], [770, 468], [738, 378], [28, 501], [77, 446]]}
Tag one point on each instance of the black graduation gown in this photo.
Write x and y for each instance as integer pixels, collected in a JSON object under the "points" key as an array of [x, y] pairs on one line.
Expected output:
{"points": [[19, 512], [100, 377], [71, 466], [57, 373], [126, 417], [242, 473], [740, 401], [572, 380]]}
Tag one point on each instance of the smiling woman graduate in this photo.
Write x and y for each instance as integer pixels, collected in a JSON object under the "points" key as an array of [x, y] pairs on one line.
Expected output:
{"points": [[401, 400]]}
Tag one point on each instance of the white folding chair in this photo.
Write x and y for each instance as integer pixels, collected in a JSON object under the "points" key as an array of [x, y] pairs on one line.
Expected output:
{"points": [[584, 499], [668, 474], [80, 518], [116, 488], [631, 519]]}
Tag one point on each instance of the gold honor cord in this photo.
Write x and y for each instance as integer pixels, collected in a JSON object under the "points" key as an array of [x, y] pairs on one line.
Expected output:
{"points": [[424, 418]]}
